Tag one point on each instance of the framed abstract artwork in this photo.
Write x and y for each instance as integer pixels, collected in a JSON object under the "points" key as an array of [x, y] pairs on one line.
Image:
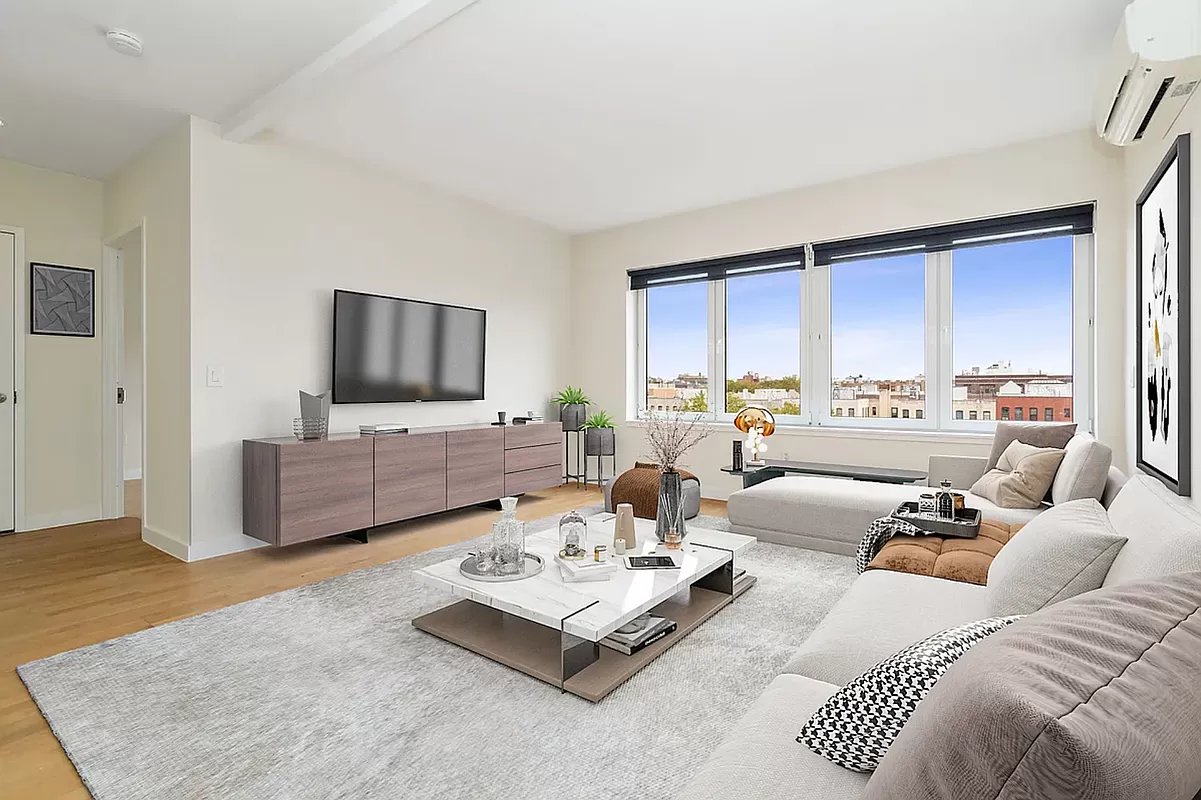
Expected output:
{"points": [[62, 300], [1161, 287]]}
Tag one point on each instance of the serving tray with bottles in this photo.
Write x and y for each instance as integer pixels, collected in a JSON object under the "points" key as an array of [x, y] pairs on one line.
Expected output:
{"points": [[965, 525]]}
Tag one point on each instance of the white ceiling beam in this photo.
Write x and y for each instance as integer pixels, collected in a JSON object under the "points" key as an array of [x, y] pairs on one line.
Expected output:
{"points": [[404, 22]]}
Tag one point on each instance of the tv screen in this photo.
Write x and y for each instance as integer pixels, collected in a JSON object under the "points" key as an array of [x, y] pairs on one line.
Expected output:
{"points": [[389, 350]]}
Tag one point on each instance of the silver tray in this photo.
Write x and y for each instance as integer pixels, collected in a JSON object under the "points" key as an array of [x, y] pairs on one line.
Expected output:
{"points": [[533, 565]]}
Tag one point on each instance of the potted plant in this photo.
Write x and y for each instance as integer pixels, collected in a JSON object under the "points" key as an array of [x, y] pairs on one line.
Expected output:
{"points": [[599, 438], [670, 435], [573, 408]]}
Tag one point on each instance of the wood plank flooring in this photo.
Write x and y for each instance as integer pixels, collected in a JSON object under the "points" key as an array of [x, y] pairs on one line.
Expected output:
{"points": [[68, 587]]}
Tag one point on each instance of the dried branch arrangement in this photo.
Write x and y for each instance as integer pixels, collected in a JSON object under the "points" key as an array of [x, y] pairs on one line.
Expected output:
{"points": [[671, 434]]}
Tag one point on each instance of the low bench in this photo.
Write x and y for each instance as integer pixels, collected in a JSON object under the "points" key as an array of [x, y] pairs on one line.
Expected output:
{"points": [[964, 560]]}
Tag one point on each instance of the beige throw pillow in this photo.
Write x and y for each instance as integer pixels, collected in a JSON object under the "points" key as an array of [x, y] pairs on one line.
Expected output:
{"points": [[1022, 477]]}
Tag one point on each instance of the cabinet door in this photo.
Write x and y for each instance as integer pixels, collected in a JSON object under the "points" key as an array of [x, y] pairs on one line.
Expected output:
{"points": [[410, 476], [533, 434], [325, 488], [475, 466]]}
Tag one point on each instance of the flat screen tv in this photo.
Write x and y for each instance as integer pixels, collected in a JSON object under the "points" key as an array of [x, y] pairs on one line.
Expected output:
{"points": [[389, 350]]}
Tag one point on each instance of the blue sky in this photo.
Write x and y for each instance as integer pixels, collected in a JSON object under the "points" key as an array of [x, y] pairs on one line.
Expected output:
{"points": [[1012, 302]]}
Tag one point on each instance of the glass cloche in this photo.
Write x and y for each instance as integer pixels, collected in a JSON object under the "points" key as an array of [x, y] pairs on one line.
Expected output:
{"points": [[573, 536]]}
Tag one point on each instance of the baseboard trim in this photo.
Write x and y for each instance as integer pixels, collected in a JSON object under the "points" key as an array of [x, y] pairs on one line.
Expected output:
{"points": [[134, 474], [168, 544], [58, 519], [223, 547]]}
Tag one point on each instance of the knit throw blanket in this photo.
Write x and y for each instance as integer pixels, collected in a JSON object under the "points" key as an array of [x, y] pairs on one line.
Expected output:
{"points": [[878, 533]]}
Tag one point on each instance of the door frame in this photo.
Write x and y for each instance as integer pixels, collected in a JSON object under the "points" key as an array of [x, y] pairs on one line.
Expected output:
{"points": [[113, 326], [20, 303]]}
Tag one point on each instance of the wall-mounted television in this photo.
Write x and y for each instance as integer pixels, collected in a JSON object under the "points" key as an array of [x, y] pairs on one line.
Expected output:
{"points": [[391, 350]]}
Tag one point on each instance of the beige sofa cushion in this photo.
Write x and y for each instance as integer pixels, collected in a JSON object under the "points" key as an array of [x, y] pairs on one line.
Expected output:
{"points": [[1083, 471], [1095, 698], [880, 614], [1038, 434], [1066, 551], [760, 757], [1022, 477], [1163, 532]]}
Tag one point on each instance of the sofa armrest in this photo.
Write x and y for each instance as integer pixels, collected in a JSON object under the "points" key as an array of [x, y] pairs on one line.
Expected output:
{"points": [[961, 471]]}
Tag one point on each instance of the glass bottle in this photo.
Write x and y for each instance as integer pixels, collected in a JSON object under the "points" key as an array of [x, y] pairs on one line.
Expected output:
{"points": [[944, 501], [508, 539]]}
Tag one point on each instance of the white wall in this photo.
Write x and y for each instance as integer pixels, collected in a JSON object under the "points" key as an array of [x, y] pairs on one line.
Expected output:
{"points": [[275, 229], [155, 187], [1140, 162], [131, 355], [1057, 171], [62, 216]]}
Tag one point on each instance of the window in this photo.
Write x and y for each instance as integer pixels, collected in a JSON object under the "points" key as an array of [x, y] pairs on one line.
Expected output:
{"points": [[948, 327], [878, 329], [837, 412], [1011, 308], [763, 342], [677, 352]]}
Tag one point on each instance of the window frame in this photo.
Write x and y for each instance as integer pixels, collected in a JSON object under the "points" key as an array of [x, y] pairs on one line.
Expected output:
{"points": [[815, 366]]}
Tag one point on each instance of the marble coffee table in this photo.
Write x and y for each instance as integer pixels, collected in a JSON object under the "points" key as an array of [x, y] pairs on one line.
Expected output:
{"points": [[550, 629]]}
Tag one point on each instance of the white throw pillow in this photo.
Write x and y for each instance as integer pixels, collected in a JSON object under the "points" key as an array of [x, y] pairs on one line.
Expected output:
{"points": [[1022, 477], [1083, 471], [1065, 551]]}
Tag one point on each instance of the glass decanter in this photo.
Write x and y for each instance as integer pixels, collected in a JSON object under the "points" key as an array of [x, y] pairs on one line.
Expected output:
{"points": [[508, 539]]}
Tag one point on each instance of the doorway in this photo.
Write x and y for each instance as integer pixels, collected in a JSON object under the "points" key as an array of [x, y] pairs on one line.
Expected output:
{"points": [[124, 368], [8, 380]]}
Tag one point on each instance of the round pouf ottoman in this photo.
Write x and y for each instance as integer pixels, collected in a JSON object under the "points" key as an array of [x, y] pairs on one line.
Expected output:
{"points": [[640, 488]]}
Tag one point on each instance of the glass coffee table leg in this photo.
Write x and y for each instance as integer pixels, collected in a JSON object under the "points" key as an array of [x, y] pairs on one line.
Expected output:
{"points": [[576, 654]]}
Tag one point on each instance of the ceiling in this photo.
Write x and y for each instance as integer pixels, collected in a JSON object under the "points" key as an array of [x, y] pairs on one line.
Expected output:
{"points": [[70, 103], [582, 115]]}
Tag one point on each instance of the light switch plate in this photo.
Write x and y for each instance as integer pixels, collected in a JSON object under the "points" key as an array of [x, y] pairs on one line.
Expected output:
{"points": [[215, 377]]}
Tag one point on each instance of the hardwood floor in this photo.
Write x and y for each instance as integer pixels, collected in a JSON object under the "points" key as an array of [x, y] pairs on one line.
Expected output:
{"points": [[68, 587]]}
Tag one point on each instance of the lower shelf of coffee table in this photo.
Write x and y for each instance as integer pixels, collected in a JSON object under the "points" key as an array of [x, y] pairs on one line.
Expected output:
{"points": [[536, 650]]}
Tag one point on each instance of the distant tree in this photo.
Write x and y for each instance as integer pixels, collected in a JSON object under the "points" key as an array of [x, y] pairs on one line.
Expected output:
{"points": [[790, 408], [697, 402], [734, 403]]}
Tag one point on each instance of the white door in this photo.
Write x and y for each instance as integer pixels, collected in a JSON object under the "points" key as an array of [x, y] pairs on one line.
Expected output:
{"points": [[8, 271]]}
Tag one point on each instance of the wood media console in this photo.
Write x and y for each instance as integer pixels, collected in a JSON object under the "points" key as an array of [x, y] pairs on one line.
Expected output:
{"points": [[295, 491]]}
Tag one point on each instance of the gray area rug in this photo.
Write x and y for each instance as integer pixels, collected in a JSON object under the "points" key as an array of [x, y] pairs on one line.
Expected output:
{"points": [[327, 691]]}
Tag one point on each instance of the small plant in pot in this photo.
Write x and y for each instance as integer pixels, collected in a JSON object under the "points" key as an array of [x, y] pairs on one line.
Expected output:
{"points": [[573, 408], [599, 438]]}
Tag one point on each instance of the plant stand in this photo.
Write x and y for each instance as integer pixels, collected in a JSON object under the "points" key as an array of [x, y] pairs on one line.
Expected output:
{"points": [[600, 443], [580, 462]]}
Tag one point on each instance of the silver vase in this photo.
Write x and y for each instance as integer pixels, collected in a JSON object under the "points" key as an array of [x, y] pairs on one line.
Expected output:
{"points": [[671, 505]]}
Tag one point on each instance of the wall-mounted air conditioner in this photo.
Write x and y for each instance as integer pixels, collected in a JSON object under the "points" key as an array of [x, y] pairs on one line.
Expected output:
{"points": [[1152, 71]]}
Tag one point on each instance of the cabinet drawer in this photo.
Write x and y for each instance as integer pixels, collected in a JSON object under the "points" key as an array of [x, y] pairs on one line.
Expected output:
{"points": [[543, 455], [475, 466], [325, 488], [533, 434], [410, 476], [531, 480]]}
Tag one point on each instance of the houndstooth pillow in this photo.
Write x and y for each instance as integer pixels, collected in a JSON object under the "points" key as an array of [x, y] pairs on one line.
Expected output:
{"points": [[856, 726]]}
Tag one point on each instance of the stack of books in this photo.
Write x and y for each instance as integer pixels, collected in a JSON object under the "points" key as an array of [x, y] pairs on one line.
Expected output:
{"points": [[585, 569], [383, 428], [652, 631]]}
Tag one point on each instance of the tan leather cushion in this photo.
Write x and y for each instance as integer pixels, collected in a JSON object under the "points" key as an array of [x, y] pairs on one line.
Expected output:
{"points": [[964, 560]]}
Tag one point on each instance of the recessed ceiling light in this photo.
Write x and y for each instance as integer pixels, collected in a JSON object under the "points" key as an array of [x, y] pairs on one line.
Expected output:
{"points": [[124, 42]]}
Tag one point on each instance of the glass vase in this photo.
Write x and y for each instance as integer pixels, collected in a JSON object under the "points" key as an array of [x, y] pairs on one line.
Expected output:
{"points": [[671, 506]]}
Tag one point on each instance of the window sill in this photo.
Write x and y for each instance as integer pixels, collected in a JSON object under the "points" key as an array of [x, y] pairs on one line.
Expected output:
{"points": [[857, 432]]}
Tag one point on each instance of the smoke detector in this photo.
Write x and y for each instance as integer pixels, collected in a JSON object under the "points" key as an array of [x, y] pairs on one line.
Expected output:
{"points": [[124, 42]]}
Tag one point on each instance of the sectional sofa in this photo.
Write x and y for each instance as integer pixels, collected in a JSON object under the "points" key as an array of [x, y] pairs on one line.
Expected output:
{"points": [[832, 514], [883, 612]]}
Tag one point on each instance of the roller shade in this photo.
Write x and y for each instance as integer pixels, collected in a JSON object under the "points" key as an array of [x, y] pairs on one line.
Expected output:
{"points": [[715, 269], [1069, 221]]}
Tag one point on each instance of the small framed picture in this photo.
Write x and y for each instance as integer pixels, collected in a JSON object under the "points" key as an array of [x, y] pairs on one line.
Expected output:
{"points": [[63, 300]]}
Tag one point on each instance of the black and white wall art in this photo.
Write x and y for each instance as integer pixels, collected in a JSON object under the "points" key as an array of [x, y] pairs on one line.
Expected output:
{"points": [[1162, 320], [63, 300]]}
